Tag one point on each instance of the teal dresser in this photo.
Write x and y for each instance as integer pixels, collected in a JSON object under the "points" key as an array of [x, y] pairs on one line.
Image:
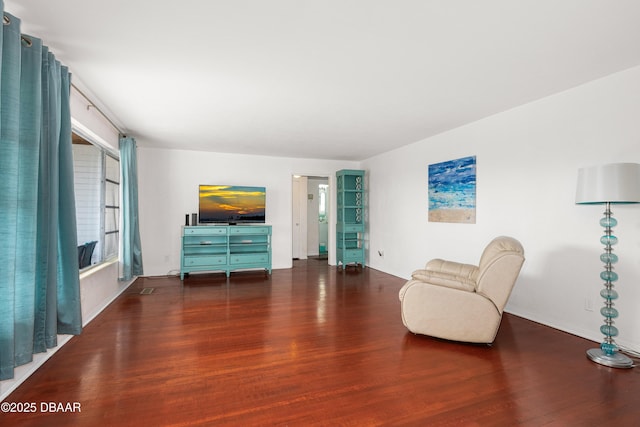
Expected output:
{"points": [[225, 248], [351, 216]]}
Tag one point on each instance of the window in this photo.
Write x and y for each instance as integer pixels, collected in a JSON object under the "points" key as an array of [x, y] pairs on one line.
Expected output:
{"points": [[111, 206], [97, 190]]}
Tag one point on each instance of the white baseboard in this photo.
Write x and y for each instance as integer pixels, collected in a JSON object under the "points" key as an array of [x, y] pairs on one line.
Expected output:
{"points": [[21, 373]]}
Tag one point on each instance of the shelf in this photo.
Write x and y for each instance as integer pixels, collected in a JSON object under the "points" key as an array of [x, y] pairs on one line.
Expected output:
{"points": [[351, 217]]}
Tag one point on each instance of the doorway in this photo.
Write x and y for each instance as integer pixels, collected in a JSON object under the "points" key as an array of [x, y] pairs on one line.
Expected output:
{"points": [[310, 217]]}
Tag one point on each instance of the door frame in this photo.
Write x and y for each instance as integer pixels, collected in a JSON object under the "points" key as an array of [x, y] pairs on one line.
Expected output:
{"points": [[299, 216]]}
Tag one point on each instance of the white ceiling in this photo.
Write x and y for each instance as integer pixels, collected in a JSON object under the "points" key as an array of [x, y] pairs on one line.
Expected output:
{"points": [[338, 79]]}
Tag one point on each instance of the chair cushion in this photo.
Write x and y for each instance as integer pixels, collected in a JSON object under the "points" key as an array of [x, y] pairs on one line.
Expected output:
{"points": [[496, 247]]}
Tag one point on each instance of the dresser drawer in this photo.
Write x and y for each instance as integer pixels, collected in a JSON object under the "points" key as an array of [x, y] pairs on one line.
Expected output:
{"points": [[204, 231], [249, 230], [353, 254], [205, 261], [249, 259]]}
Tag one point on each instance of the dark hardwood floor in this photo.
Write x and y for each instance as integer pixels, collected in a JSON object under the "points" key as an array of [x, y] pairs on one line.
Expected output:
{"points": [[312, 345]]}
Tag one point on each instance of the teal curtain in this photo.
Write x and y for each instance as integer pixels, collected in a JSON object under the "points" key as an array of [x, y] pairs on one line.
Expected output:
{"points": [[131, 247], [39, 282]]}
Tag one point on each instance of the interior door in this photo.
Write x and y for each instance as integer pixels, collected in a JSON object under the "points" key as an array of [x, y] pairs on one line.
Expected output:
{"points": [[295, 226], [299, 217]]}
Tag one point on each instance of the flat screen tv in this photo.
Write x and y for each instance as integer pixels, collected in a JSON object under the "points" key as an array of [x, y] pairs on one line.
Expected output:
{"points": [[231, 204]]}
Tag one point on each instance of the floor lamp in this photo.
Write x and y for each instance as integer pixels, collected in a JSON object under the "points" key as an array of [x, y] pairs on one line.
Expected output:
{"points": [[617, 183]]}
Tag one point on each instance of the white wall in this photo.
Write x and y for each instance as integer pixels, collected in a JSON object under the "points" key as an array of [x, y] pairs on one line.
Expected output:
{"points": [[168, 189], [527, 162]]}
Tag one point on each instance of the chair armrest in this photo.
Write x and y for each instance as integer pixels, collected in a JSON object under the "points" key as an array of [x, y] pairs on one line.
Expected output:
{"points": [[467, 271], [444, 279], [448, 313]]}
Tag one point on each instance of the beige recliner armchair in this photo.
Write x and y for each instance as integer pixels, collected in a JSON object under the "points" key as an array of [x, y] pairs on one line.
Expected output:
{"points": [[462, 302]]}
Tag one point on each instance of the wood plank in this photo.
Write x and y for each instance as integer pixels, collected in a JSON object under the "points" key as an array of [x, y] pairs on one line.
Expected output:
{"points": [[312, 345]]}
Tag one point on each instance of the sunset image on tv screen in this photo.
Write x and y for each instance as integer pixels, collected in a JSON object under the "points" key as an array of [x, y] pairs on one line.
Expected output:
{"points": [[226, 203]]}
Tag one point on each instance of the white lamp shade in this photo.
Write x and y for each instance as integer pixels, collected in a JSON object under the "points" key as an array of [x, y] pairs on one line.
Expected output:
{"points": [[613, 183]]}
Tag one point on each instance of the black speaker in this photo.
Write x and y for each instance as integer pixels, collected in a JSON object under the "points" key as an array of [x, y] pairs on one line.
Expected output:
{"points": [[186, 219], [194, 219]]}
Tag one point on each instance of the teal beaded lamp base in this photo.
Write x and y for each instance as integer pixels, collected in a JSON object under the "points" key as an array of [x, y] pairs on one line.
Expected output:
{"points": [[608, 353], [615, 360]]}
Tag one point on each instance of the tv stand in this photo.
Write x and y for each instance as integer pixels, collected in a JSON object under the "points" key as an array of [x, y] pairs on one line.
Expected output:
{"points": [[225, 248]]}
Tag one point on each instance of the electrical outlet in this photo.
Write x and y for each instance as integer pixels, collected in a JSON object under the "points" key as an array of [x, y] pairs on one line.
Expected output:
{"points": [[588, 304]]}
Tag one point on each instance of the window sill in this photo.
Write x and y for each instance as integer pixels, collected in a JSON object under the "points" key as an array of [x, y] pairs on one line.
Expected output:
{"points": [[85, 272]]}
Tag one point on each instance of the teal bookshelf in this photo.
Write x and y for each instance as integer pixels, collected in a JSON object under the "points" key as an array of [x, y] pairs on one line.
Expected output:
{"points": [[350, 225]]}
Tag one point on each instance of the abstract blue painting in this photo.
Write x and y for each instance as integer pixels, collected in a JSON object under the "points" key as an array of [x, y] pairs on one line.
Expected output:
{"points": [[452, 191]]}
